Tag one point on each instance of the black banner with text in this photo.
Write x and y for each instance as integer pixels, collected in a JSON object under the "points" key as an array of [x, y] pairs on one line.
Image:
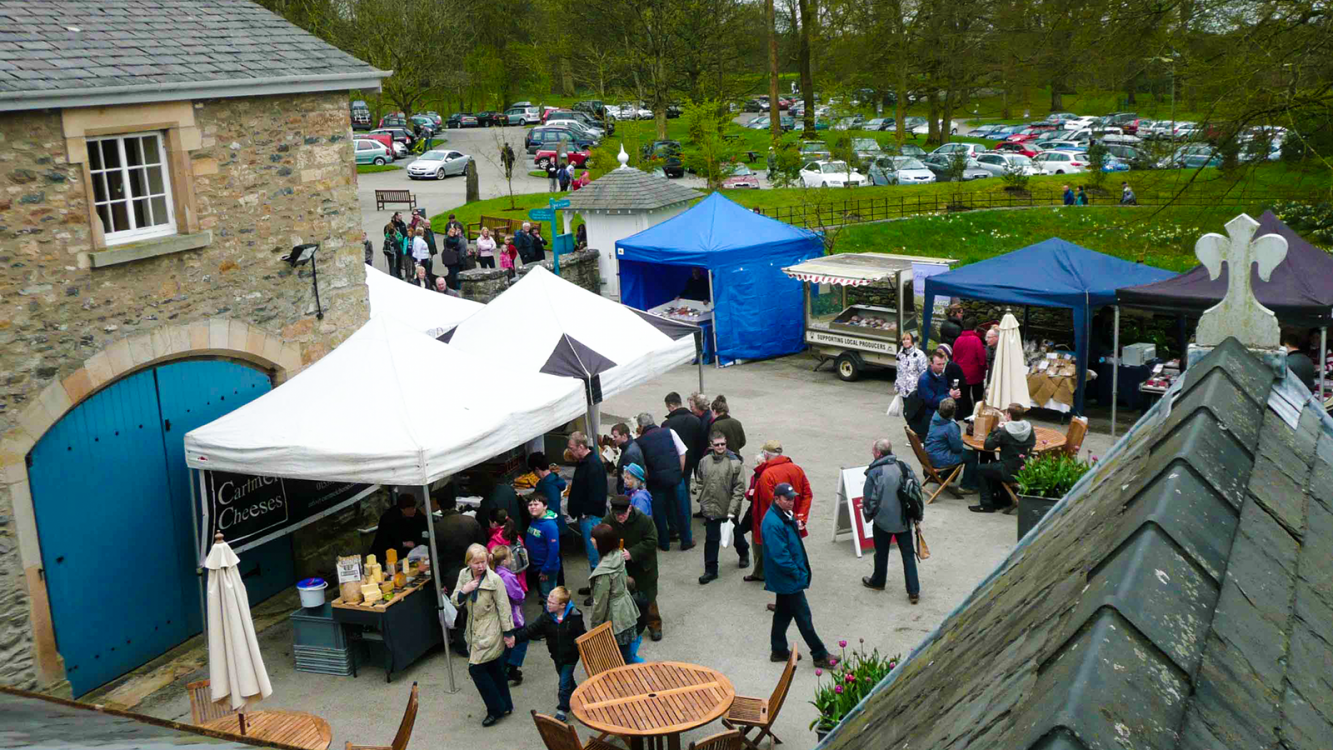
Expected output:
{"points": [[247, 509]]}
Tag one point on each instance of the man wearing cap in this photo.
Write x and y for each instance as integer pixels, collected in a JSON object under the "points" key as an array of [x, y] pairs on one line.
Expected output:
{"points": [[717, 480], [775, 469], [789, 576], [639, 536]]}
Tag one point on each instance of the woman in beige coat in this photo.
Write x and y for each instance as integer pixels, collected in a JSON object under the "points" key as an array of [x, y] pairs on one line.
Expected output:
{"points": [[489, 629]]}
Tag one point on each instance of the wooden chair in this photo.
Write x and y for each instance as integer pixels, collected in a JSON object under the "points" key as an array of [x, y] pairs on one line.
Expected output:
{"points": [[1078, 429], [404, 728], [928, 469], [721, 741], [1013, 499], [750, 714], [557, 735], [202, 707], [598, 650]]}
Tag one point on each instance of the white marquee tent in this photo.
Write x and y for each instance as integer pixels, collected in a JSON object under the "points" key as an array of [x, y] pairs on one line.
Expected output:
{"points": [[424, 310]]}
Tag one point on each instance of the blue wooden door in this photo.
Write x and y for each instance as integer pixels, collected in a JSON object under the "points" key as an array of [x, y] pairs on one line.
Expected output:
{"points": [[112, 510]]}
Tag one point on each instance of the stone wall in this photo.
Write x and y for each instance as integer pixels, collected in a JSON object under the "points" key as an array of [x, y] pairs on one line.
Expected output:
{"points": [[485, 284], [268, 173]]}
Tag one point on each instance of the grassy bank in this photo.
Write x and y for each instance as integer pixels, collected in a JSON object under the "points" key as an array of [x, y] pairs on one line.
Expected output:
{"points": [[373, 168]]}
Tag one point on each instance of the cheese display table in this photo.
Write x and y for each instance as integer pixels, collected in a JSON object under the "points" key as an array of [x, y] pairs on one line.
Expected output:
{"points": [[407, 624]]}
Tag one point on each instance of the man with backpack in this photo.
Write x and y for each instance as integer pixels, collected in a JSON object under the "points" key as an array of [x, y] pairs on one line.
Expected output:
{"points": [[891, 499]]}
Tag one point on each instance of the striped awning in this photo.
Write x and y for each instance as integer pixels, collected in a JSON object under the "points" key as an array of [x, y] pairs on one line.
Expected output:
{"points": [[854, 269], [815, 278]]}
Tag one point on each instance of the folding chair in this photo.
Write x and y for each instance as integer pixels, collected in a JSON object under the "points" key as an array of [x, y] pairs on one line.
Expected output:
{"points": [[557, 735], [928, 469], [202, 707], [404, 728], [749, 714], [1078, 429], [721, 741], [598, 650]]}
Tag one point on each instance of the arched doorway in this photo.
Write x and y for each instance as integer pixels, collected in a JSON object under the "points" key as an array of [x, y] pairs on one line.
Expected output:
{"points": [[111, 498]]}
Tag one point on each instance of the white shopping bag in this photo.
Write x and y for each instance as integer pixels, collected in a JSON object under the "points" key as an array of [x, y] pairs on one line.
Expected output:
{"points": [[895, 406], [727, 529], [449, 613]]}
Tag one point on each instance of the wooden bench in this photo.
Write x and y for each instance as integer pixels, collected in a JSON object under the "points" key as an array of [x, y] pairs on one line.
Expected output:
{"points": [[383, 197], [497, 225]]}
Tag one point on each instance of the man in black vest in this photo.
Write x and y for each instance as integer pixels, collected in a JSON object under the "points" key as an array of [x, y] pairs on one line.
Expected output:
{"points": [[664, 454], [686, 426]]}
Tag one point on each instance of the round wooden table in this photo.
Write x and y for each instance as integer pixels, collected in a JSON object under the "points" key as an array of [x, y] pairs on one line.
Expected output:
{"points": [[1047, 440], [288, 727], [645, 703]]}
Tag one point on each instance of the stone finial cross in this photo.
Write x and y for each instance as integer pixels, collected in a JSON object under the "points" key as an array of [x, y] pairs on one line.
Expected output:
{"points": [[1240, 313]]}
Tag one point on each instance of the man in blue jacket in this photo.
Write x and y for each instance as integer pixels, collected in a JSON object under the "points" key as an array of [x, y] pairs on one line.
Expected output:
{"points": [[787, 571], [932, 387]]}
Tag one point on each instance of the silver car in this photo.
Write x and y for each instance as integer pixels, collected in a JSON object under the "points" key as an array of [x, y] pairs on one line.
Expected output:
{"points": [[437, 165], [900, 170], [999, 164]]}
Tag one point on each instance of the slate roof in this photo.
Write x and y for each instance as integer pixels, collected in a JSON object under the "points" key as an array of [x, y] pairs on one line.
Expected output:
{"points": [[630, 189], [58, 53], [1179, 598], [39, 722]]}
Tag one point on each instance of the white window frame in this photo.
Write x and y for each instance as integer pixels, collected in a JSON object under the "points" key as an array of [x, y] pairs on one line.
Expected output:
{"points": [[135, 233]]}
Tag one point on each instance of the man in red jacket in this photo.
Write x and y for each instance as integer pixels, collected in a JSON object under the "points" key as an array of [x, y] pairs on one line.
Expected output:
{"points": [[969, 352], [772, 471]]}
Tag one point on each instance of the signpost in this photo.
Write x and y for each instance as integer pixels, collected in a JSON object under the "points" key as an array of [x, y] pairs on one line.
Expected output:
{"points": [[549, 214]]}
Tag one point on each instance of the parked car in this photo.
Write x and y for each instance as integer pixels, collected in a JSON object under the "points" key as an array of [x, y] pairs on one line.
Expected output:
{"points": [[984, 131], [674, 110], [1127, 121], [370, 151], [426, 124], [941, 164], [855, 122], [582, 119], [1127, 153], [576, 126], [867, 148], [438, 164], [741, 177], [1061, 162], [900, 170], [785, 123], [360, 115], [997, 164], [400, 134], [1200, 159], [907, 149], [1113, 164], [462, 120], [593, 107], [393, 120], [814, 150], [667, 154], [433, 115], [1084, 121], [489, 118], [754, 105], [1059, 117], [971, 149], [876, 123], [830, 174], [514, 116], [531, 115], [386, 139], [546, 155], [1064, 146], [1026, 149], [632, 111], [547, 137]]}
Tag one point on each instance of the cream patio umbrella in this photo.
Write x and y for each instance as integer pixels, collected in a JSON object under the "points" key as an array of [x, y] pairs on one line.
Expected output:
{"points": [[1009, 379], [235, 667]]}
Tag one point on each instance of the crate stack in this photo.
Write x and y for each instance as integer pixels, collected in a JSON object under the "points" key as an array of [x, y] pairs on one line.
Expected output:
{"points": [[318, 642]]}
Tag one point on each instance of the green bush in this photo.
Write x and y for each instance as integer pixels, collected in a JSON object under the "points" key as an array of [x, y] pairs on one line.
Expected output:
{"points": [[1050, 474], [1097, 154], [1015, 178]]}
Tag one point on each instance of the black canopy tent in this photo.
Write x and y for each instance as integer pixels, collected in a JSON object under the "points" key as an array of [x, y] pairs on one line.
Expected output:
{"points": [[1299, 291]]}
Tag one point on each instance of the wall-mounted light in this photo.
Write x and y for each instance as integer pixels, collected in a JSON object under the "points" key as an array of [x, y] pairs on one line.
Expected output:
{"points": [[300, 255]]}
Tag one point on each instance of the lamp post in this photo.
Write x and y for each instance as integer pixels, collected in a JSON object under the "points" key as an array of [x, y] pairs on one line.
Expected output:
{"points": [[300, 255]]}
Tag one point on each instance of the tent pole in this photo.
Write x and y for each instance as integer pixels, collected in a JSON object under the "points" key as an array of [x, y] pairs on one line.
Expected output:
{"points": [[1323, 362], [439, 590], [1115, 371], [712, 298], [701, 366], [198, 549], [1025, 333]]}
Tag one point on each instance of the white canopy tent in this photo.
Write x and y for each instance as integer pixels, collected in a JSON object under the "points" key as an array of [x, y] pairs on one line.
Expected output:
{"points": [[422, 309], [353, 417], [545, 324]]}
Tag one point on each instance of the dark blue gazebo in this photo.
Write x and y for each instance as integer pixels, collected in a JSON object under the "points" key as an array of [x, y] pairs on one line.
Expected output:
{"points": [[1051, 273]]}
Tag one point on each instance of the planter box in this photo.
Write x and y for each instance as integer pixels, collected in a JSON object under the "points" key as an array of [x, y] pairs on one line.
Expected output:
{"points": [[1030, 511]]}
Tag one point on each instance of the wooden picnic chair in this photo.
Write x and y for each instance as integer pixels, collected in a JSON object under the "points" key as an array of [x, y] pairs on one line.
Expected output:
{"points": [[1078, 429], [404, 728], [750, 714], [928, 469], [731, 740], [598, 650], [202, 707], [557, 735]]}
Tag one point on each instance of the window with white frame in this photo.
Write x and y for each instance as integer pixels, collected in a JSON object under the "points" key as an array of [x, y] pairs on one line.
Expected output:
{"points": [[131, 186]]}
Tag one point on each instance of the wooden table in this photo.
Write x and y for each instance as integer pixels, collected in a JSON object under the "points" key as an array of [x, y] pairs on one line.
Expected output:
{"points": [[288, 727], [1047, 440], [645, 703]]}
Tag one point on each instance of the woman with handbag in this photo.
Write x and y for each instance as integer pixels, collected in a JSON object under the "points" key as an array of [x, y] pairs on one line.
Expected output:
{"points": [[489, 631], [611, 598]]}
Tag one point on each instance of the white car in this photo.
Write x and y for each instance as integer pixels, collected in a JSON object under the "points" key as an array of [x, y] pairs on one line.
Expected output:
{"points": [[971, 149], [830, 174], [577, 126], [1064, 145], [1105, 135], [900, 170], [436, 165], [1080, 122], [998, 164], [1061, 162]]}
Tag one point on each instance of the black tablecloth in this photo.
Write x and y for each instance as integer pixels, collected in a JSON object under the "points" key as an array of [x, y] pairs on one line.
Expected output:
{"points": [[1130, 379], [410, 627]]}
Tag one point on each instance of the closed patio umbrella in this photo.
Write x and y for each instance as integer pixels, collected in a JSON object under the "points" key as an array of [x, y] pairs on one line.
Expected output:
{"points": [[235, 666], [1009, 383]]}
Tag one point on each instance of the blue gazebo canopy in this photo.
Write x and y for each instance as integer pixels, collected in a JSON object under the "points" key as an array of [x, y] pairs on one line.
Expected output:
{"points": [[1051, 273], [757, 309]]}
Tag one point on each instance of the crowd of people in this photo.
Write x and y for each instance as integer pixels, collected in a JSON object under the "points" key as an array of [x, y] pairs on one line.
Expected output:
{"points": [[412, 252], [628, 505], [562, 177]]}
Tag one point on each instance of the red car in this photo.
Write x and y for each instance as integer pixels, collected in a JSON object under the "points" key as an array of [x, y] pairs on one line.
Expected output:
{"points": [[741, 177], [577, 158], [1013, 147], [1031, 133]]}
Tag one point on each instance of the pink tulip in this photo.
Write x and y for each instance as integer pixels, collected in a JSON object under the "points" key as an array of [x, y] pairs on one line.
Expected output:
{"points": [[842, 644], [818, 672], [851, 677], [837, 688]]}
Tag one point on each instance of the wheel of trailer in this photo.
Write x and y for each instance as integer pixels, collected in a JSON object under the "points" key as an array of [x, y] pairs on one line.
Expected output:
{"points": [[848, 366]]}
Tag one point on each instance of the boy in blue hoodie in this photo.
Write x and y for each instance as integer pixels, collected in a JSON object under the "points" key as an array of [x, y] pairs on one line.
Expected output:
{"points": [[560, 625], [543, 543]]}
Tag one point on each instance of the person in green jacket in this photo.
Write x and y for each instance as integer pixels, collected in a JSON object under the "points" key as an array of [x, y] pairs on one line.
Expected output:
{"points": [[640, 553], [611, 598]]}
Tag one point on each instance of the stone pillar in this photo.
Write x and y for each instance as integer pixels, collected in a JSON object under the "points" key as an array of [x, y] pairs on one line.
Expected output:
{"points": [[482, 284]]}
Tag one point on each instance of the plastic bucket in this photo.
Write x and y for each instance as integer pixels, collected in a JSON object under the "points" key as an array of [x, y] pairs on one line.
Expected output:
{"points": [[312, 592]]}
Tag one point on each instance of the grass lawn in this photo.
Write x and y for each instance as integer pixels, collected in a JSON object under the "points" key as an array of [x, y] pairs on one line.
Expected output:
{"points": [[373, 168], [1161, 237]]}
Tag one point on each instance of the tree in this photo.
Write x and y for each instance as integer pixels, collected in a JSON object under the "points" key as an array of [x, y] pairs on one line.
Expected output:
{"points": [[807, 78], [709, 153], [775, 119]]}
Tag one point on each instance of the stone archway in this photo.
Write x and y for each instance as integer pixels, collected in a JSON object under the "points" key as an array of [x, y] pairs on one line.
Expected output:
{"points": [[32, 659]]}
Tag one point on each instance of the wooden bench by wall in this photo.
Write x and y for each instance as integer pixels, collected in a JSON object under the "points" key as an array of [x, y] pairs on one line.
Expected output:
{"points": [[496, 224], [383, 197]]}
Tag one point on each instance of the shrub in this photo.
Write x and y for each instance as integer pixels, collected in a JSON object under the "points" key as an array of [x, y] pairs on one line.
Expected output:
{"points": [[1097, 162], [1050, 474], [1015, 178]]}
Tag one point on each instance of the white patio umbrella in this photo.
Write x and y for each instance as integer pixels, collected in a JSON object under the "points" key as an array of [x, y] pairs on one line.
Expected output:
{"points": [[235, 666], [1009, 381]]}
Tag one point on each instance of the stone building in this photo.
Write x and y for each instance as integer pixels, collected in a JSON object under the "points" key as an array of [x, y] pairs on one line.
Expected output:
{"points": [[158, 160]]}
